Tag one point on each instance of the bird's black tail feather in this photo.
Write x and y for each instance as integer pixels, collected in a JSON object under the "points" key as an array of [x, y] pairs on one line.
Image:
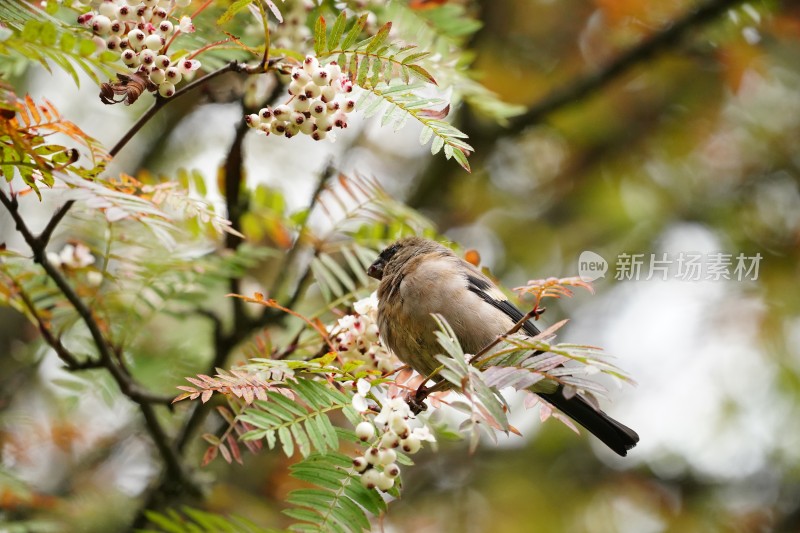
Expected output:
{"points": [[616, 436]]}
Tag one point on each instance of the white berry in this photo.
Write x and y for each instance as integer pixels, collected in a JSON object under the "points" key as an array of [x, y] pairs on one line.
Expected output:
{"points": [[320, 77], [391, 470], [387, 456], [312, 90], [165, 27], [384, 482], [101, 25], [282, 111], [108, 9], [166, 89], [327, 93], [365, 431], [360, 464], [157, 76], [154, 42], [173, 74], [310, 64], [411, 444], [370, 478], [162, 62], [130, 58]]}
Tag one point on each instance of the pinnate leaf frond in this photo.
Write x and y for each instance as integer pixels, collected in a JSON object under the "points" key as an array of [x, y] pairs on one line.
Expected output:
{"points": [[40, 38], [340, 503]]}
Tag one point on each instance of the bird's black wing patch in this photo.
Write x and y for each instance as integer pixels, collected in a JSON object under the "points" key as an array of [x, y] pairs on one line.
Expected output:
{"points": [[480, 287]]}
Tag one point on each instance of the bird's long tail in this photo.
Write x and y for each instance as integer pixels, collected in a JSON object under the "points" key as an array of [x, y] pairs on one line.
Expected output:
{"points": [[616, 436]]}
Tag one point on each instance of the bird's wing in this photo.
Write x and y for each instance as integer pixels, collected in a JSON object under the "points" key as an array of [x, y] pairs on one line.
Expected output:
{"points": [[479, 284]]}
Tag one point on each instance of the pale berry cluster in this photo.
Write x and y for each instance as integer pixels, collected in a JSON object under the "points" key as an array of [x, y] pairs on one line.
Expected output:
{"points": [[140, 31], [318, 102], [391, 429], [356, 336], [74, 257]]}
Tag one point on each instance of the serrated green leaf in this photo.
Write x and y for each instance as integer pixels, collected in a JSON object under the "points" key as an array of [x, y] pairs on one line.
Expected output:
{"points": [[323, 478], [278, 410], [287, 443], [270, 438], [436, 145], [388, 68], [49, 34], [321, 281], [373, 107], [300, 437], [86, 48], [349, 514], [234, 8], [320, 36], [421, 73], [68, 42], [327, 431], [379, 38], [199, 183], [412, 58], [461, 159], [355, 266], [363, 71], [302, 513], [354, 32], [314, 435], [314, 498], [377, 68], [279, 399], [352, 66], [338, 271], [306, 390], [337, 31], [368, 499]]}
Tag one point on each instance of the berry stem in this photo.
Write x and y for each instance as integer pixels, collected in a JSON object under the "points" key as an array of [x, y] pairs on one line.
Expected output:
{"points": [[233, 66]]}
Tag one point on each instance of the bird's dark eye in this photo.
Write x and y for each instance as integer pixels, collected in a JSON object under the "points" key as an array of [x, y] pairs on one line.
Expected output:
{"points": [[389, 252]]}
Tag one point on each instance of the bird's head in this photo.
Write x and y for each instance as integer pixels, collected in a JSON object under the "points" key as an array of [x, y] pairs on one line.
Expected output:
{"points": [[396, 254]]}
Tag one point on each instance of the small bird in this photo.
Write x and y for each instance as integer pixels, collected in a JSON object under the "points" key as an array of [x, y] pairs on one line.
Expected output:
{"points": [[419, 277]]}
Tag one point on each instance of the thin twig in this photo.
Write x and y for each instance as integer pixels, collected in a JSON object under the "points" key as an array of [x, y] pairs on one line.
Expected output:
{"points": [[125, 382], [172, 459], [536, 311], [590, 83], [44, 236], [416, 401], [233, 66], [72, 362], [224, 344]]}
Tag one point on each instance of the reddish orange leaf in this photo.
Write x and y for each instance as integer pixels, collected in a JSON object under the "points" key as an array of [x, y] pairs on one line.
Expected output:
{"points": [[473, 257]]}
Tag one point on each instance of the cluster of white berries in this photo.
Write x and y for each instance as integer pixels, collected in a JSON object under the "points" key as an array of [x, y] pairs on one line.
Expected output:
{"points": [[76, 256], [318, 102], [140, 30], [390, 429], [356, 336]]}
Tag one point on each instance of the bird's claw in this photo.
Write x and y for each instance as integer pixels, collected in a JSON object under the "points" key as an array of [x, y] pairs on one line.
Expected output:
{"points": [[416, 402]]}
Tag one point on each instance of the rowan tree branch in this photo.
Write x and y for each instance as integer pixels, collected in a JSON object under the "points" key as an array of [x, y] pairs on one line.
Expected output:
{"points": [[590, 83], [126, 383]]}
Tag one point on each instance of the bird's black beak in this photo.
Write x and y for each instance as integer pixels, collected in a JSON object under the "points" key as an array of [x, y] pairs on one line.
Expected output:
{"points": [[375, 270]]}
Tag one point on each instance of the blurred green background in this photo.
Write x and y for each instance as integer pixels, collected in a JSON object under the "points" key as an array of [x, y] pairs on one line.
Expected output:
{"points": [[693, 149]]}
